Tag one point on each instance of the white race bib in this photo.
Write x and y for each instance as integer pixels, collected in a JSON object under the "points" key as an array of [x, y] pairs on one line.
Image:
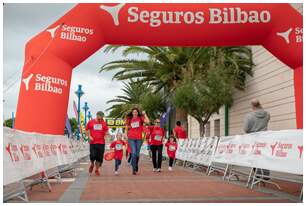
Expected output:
{"points": [[97, 126], [135, 124], [118, 146], [172, 148], [157, 138]]}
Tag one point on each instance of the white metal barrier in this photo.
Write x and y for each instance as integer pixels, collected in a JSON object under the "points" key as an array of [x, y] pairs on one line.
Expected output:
{"points": [[33, 158]]}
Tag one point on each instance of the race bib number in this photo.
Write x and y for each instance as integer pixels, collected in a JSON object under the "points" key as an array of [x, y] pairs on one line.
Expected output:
{"points": [[118, 146], [157, 138], [135, 125], [97, 126], [172, 148]]}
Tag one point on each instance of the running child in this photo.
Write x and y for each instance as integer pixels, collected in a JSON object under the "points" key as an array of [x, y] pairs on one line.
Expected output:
{"points": [[117, 145], [171, 146]]}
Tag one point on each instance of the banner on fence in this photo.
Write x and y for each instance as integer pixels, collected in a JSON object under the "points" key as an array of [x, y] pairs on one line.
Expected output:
{"points": [[26, 154], [273, 150]]}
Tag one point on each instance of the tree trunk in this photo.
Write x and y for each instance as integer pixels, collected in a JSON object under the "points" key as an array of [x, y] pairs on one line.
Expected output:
{"points": [[202, 128], [181, 115]]}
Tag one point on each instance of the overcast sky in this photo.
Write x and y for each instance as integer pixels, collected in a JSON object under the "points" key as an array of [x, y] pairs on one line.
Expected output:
{"points": [[21, 23]]}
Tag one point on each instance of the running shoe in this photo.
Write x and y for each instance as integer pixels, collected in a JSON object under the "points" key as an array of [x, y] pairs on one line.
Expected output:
{"points": [[154, 170], [91, 168], [116, 173], [97, 172], [134, 172], [158, 170], [170, 168]]}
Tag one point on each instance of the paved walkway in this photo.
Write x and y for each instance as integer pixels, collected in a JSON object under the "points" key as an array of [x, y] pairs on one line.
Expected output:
{"points": [[180, 185]]}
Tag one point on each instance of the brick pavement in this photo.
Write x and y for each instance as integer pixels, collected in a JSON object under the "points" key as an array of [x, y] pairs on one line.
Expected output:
{"points": [[180, 185]]}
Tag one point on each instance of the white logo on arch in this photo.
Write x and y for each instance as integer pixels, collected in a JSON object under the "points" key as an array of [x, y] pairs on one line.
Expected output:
{"points": [[285, 35], [26, 81], [53, 30], [113, 11]]}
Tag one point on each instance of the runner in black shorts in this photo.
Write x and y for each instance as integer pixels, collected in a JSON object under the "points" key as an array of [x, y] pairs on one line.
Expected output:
{"points": [[96, 129]]}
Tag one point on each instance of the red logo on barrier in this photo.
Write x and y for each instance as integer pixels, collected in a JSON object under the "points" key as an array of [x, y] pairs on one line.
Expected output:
{"points": [[37, 150], [64, 149], [12, 149], [25, 151], [8, 149], [273, 146], [256, 148], [243, 148], [53, 149], [300, 148], [46, 150], [278, 149]]}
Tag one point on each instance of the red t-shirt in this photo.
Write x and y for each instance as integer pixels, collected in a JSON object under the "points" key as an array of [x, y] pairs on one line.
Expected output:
{"points": [[135, 127], [118, 146], [179, 132], [157, 135], [171, 149], [147, 132], [97, 131]]}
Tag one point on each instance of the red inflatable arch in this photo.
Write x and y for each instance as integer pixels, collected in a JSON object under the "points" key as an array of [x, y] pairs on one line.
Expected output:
{"points": [[52, 54]]}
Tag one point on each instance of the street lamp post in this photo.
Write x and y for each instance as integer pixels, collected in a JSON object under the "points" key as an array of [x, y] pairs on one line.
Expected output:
{"points": [[86, 108], [79, 93]]}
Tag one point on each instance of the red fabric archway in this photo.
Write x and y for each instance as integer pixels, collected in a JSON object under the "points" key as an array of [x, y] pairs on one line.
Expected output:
{"points": [[52, 54]]}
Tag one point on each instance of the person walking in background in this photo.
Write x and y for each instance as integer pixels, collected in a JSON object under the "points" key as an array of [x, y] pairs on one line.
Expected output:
{"points": [[133, 130], [171, 146], [156, 145], [96, 129], [179, 132], [117, 146], [257, 121]]}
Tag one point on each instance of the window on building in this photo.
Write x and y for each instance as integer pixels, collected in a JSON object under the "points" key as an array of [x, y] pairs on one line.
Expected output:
{"points": [[207, 129], [217, 128]]}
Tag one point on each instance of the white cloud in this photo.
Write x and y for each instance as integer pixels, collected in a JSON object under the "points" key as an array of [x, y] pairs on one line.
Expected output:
{"points": [[21, 23]]}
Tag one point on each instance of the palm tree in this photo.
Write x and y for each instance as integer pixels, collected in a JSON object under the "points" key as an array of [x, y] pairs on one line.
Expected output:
{"points": [[137, 94], [169, 67]]}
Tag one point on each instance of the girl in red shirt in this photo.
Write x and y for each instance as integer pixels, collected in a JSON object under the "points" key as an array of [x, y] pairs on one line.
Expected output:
{"points": [[117, 146], [133, 130], [171, 146], [156, 145]]}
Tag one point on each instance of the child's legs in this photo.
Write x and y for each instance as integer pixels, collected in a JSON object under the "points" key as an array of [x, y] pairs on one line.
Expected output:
{"points": [[171, 160]]}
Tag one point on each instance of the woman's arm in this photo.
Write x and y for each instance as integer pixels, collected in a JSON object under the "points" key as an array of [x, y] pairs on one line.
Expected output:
{"points": [[146, 118]]}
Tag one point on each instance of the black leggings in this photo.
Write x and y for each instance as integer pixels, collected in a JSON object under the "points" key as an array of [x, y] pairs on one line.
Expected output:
{"points": [[97, 153], [157, 150], [171, 160]]}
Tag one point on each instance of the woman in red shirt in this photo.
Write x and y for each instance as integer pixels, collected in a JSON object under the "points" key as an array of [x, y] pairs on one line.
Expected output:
{"points": [[156, 145], [171, 146], [133, 130]]}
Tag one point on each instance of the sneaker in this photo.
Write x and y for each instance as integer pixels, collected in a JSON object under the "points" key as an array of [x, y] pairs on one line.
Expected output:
{"points": [[91, 168], [116, 173], [158, 170], [97, 172], [154, 170], [134, 172], [170, 168], [136, 168]]}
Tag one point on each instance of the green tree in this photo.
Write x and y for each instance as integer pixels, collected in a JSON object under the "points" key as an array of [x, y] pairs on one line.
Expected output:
{"points": [[202, 98], [168, 68], [8, 123], [137, 94], [74, 124]]}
